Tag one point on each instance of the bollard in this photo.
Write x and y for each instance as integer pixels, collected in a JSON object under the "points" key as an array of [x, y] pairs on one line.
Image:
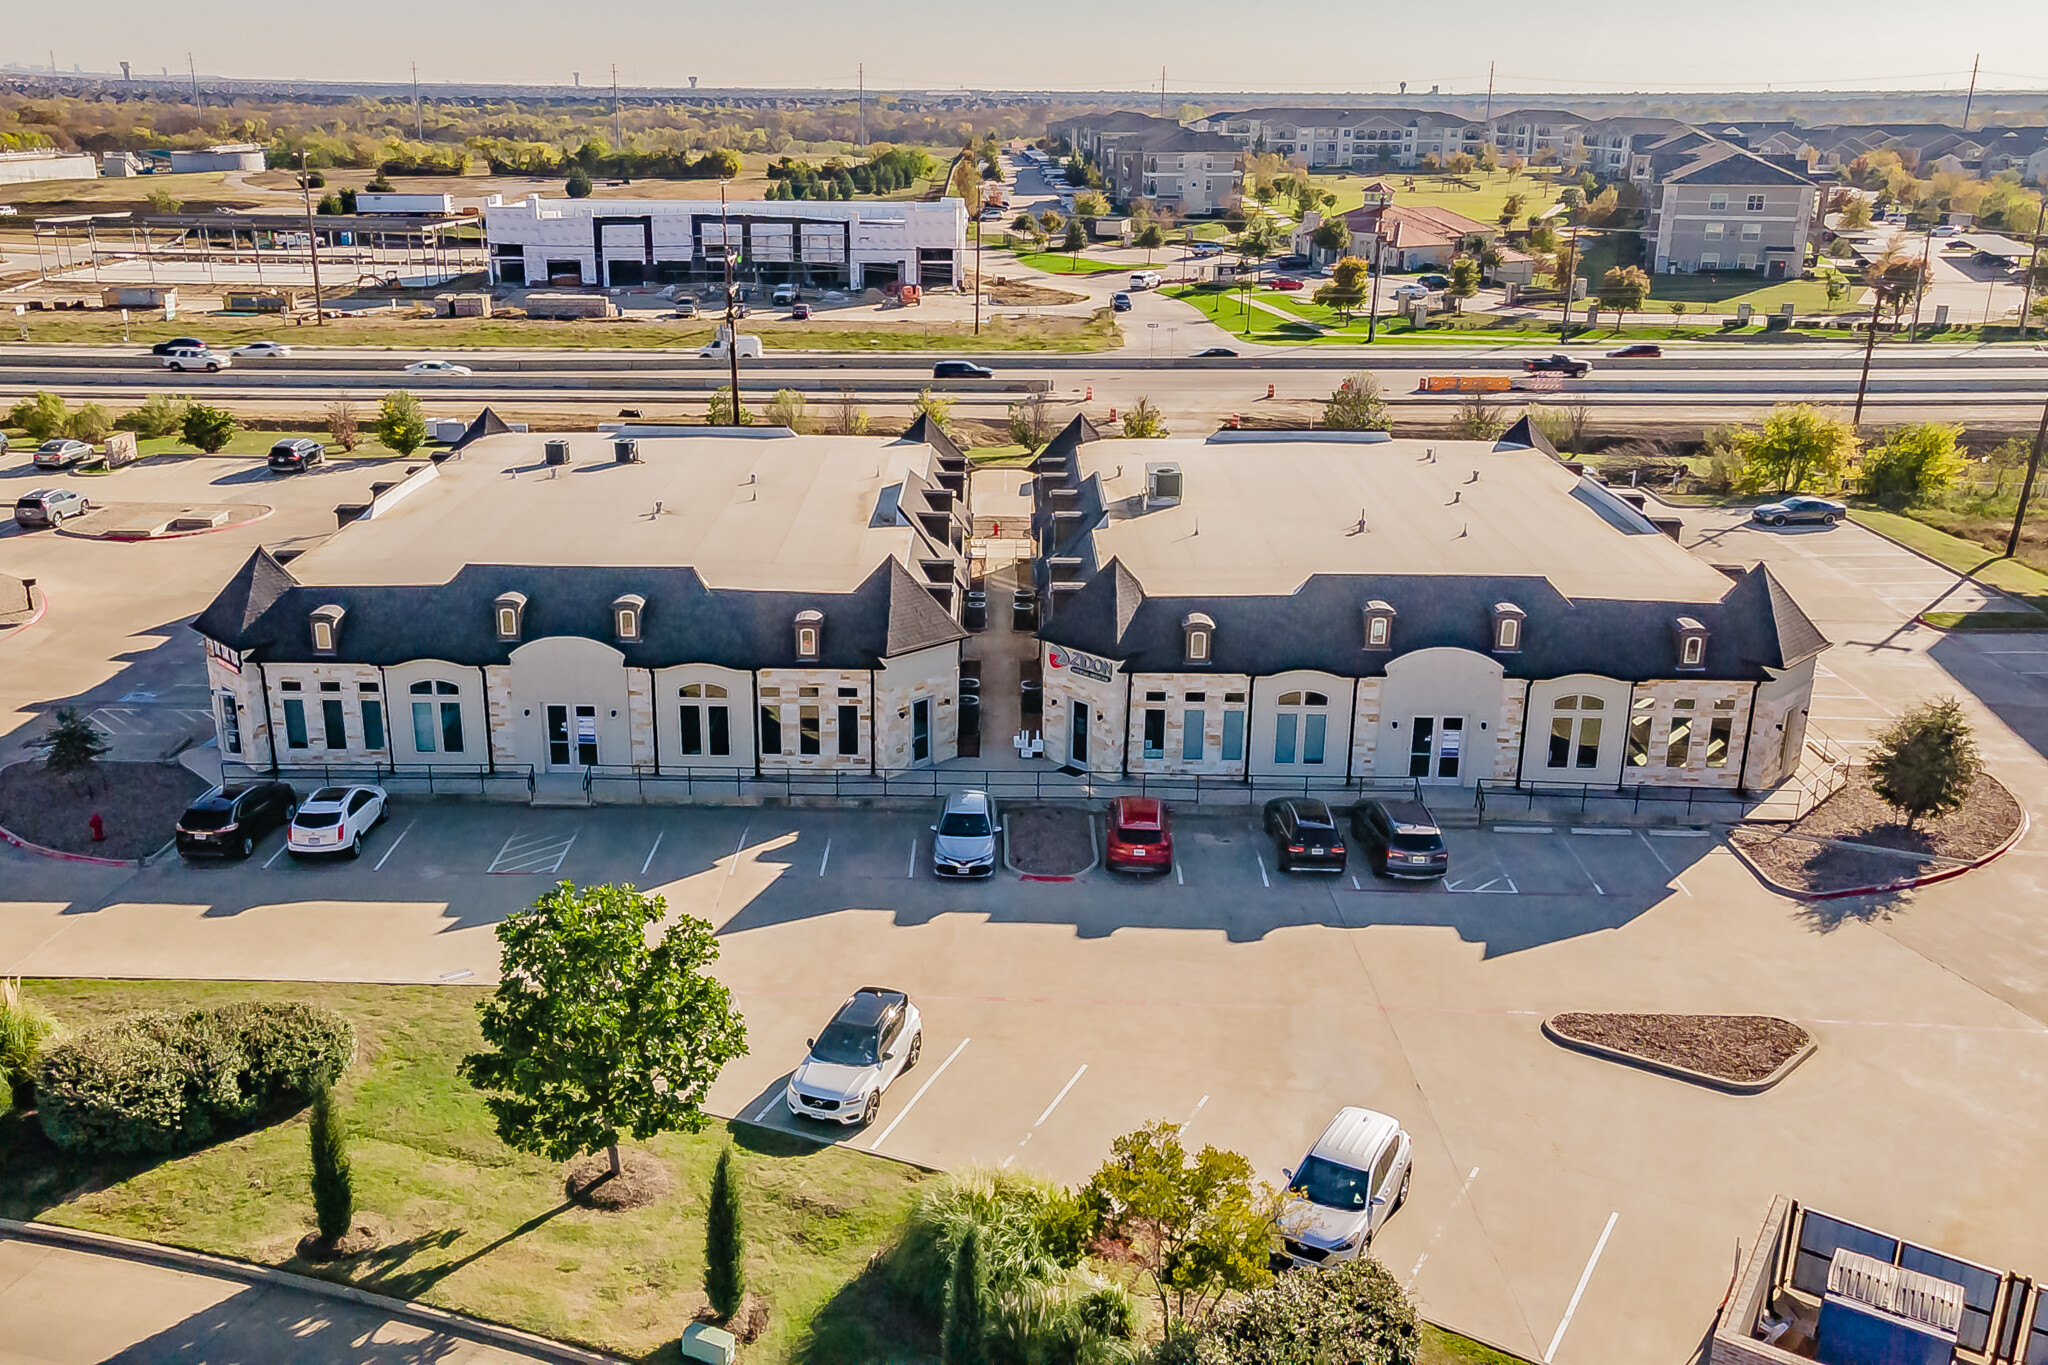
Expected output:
{"points": [[1269, 390], [1112, 414], [99, 829], [1091, 393]]}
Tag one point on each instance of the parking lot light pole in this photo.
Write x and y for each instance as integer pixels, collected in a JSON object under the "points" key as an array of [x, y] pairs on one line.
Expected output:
{"points": [[312, 243]]}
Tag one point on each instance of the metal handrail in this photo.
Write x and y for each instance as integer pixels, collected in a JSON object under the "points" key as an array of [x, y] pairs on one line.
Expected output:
{"points": [[374, 772]]}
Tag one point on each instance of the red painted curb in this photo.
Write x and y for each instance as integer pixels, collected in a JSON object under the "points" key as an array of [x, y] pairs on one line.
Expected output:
{"points": [[11, 837], [1034, 877], [12, 631], [1905, 884]]}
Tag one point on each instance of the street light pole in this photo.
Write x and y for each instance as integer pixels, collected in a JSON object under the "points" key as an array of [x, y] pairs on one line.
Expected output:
{"points": [[2019, 516], [1869, 348], [732, 329], [1372, 318], [312, 243], [1920, 289], [1571, 275]]}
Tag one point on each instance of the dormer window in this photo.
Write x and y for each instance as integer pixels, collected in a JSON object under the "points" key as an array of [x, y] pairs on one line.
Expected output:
{"points": [[326, 628], [510, 610], [1197, 631], [810, 630], [1691, 638], [1507, 627], [1379, 625], [626, 614]]}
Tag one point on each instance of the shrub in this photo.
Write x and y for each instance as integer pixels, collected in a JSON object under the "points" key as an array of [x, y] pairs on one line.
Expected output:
{"points": [[1553, 423], [1912, 464], [160, 415], [334, 1185], [40, 417], [1926, 761], [401, 424], [1023, 1219], [1029, 422], [720, 411], [578, 186], [936, 406], [786, 409], [1354, 1311], [725, 1241], [167, 1082], [90, 423], [1357, 404], [1477, 420], [960, 1340], [343, 427], [207, 428], [1142, 421], [25, 1029]]}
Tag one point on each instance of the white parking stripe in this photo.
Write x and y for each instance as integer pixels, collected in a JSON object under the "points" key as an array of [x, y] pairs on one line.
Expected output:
{"points": [[1584, 1279], [911, 870], [529, 855], [1262, 869], [1521, 829], [763, 1111], [651, 852], [1177, 879], [738, 848], [1182, 1131], [280, 852], [877, 1143], [1676, 880], [1583, 868], [1062, 1095], [826, 859], [1442, 1223], [394, 846]]}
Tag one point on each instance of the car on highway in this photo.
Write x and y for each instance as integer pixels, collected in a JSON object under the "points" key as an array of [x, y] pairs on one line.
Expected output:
{"points": [[1411, 291], [334, 820], [1800, 510], [1287, 283], [1557, 363], [177, 344], [188, 358], [1305, 835], [262, 350], [61, 452], [1352, 1180], [48, 507], [1642, 350], [430, 367], [295, 455], [1139, 836], [1145, 279], [749, 348], [961, 369], [229, 821], [1215, 353], [876, 1036], [1120, 302], [1400, 839], [965, 842], [800, 312]]}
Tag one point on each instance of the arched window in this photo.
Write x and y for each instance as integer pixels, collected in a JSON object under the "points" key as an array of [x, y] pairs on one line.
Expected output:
{"points": [[1196, 630], [626, 613], [326, 629], [706, 721], [810, 630], [1301, 728], [1379, 625], [428, 736], [1575, 726], [510, 609], [1507, 627]]}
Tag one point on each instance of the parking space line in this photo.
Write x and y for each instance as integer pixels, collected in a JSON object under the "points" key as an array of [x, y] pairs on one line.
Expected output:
{"points": [[1491, 887], [1442, 1223], [394, 845], [280, 852], [1681, 834], [1521, 829], [877, 1143], [1262, 869], [1602, 830], [1354, 883], [911, 870], [652, 851], [1583, 868], [1062, 1095], [826, 859], [739, 848], [1177, 879], [764, 1110], [1676, 880], [1585, 1278]]}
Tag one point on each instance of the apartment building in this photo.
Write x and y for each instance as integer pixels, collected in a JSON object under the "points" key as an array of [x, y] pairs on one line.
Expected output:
{"points": [[1191, 172], [1714, 206]]}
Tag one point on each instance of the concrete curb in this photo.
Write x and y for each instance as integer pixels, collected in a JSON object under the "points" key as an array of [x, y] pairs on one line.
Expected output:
{"points": [[1094, 857], [106, 538], [1903, 884], [42, 608], [198, 1263], [1682, 1073]]}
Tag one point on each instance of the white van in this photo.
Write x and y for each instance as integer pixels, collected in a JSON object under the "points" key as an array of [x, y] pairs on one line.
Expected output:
{"points": [[1144, 279]]}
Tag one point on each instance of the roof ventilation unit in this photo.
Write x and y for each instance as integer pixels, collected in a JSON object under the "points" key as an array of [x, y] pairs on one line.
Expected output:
{"points": [[626, 450], [1880, 1314], [557, 452], [1162, 486]]}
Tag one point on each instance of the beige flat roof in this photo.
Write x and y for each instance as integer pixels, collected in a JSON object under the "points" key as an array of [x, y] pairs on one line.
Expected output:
{"points": [[754, 512], [1259, 517]]}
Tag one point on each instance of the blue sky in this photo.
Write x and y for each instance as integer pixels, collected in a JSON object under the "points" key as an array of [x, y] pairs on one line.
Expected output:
{"points": [[1320, 45]]}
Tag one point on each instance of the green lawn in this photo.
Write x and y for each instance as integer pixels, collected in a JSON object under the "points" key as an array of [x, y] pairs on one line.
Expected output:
{"points": [[1063, 263], [1968, 557], [1718, 294], [1448, 1348], [1483, 203]]}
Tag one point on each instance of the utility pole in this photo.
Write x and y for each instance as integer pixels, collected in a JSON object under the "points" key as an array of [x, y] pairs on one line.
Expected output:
{"points": [[1162, 92], [1569, 284], [2019, 516], [53, 61], [860, 103], [2033, 264], [618, 138], [1971, 98], [1372, 318], [419, 130], [312, 243], [1489, 100], [193, 67], [1869, 348], [732, 327], [1920, 289]]}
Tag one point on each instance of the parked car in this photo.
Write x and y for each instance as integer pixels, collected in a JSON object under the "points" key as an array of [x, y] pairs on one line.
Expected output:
{"points": [[61, 453], [1400, 839], [961, 369], [1305, 835], [1120, 301], [1205, 248], [187, 358], [1140, 837], [1411, 291], [1434, 281], [177, 344], [876, 1036], [429, 367], [1216, 353], [965, 845], [1294, 262], [1642, 350], [1288, 283], [785, 294], [229, 821], [296, 455], [262, 350], [1346, 1188], [1556, 363], [334, 820], [3, 443], [800, 312], [686, 308], [40, 507], [1800, 509]]}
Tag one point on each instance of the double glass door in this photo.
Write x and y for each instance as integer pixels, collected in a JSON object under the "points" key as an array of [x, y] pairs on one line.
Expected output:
{"points": [[572, 736], [1436, 747]]}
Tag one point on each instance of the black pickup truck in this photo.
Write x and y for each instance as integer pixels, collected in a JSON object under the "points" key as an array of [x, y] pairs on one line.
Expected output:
{"points": [[1558, 364]]}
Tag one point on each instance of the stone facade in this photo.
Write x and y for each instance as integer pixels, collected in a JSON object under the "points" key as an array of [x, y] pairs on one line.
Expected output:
{"points": [[1210, 699], [806, 705], [1708, 721], [931, 677]]}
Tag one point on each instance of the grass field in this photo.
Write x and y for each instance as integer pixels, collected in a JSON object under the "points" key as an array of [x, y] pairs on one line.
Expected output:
{"points": [[1061, 263], [1986, 564], [1483, 204], [1720, 294]]}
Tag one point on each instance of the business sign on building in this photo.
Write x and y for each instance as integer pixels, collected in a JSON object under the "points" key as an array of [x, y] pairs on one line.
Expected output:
{"points": [[1074, 661]]}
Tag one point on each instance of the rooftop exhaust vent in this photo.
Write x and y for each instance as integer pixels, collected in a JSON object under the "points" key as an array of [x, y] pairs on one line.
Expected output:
{"points": [[1162, 485]]}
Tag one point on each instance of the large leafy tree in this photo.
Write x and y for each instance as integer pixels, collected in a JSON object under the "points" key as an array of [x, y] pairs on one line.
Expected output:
{"points": [[1464, 272], [1350, 277], [594, 1031], [1624, 289], [401, 422], [1912, 463], [1925, 762], [1795, 446], [1196, 1227], [1355, 1311], [207, 428]]}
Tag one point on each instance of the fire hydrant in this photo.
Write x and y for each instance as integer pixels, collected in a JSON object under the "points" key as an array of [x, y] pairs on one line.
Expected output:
{"points": [[99, 828]]}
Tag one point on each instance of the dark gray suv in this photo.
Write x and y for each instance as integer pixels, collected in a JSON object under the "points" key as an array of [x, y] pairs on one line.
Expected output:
{"points": [[296, 455], [42, 507]]}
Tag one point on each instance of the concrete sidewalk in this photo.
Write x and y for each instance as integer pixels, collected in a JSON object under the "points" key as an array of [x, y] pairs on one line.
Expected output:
{"points": [[71, 1307]]}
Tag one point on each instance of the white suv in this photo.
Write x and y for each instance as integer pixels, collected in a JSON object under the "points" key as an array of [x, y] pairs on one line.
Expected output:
{"points": [[196, 358], [1347, 1186], [876, 1037]]}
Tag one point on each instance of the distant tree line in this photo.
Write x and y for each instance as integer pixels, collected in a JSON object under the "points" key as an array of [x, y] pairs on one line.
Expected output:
{"points": [[885, 171]]}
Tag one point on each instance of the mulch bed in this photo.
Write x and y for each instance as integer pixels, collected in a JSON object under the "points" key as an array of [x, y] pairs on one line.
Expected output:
{"points": [[138, 805], [1049, 841], [1744, 1048], [641, 1180], [367, 1235], [1855, 814]]}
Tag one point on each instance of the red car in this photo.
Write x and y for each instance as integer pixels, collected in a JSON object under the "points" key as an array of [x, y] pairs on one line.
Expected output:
{"points": [[1288, 283], [1140, 835]]}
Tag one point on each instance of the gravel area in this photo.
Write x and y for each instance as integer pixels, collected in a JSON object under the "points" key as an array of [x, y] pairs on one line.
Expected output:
{"points": [[1049, 841], [1792, 855], [138, 805], [1729, 1047]]}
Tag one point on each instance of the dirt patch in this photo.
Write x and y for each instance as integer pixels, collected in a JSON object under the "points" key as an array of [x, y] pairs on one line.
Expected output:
{"points": [[1797, 855], [369, 1233], [1743, 1048], [1025, 294], [641, 1180], [747, 1324], [138, 805], [1049, 841]]}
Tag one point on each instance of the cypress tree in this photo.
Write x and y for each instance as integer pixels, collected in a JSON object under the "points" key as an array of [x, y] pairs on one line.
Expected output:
{"points": [[725, 1242], [334, 1187], [960, 1341]]}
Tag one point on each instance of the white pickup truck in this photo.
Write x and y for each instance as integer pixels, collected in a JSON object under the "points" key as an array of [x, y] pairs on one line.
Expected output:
{"points": [[715, 349]]}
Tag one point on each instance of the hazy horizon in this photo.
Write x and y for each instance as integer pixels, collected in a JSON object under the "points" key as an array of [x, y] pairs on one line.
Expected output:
{"points": [[923, 45]]}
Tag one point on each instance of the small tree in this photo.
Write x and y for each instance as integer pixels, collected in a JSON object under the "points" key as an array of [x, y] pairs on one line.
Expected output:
{"points": [[1090, 204], [578, 186], [593, 1032], [1350, 277], [1795, 445], [401, 423], [161, 200], [725, 1241], [1677, 311], [1625, 289], [1855, 213], [207, 428], [936, 406], [381, 184], [1358, 405], [342, 427], [1477, 420], [334, 1185], [25, 1028], [1029, 422], [90, 423], [1925, 762], [1072, 243], [1260, 238], [849, 418], [71, 744], [964, 1329], [1151, 238], [1332, 234], [1197, 1228], [721, 413], [1142, 421], [1464, 279], [40, 417], [786, 409], [1912, 464], [160, 415]]}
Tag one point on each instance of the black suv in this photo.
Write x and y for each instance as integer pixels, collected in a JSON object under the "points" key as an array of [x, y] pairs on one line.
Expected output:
{"points": [[1400, 838], [1305, 835], [176, 344], [228, 822], [296, 455], [961, 369]]}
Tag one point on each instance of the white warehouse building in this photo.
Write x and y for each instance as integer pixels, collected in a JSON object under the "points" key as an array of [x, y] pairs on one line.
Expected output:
{"points": [[625, 242]]}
